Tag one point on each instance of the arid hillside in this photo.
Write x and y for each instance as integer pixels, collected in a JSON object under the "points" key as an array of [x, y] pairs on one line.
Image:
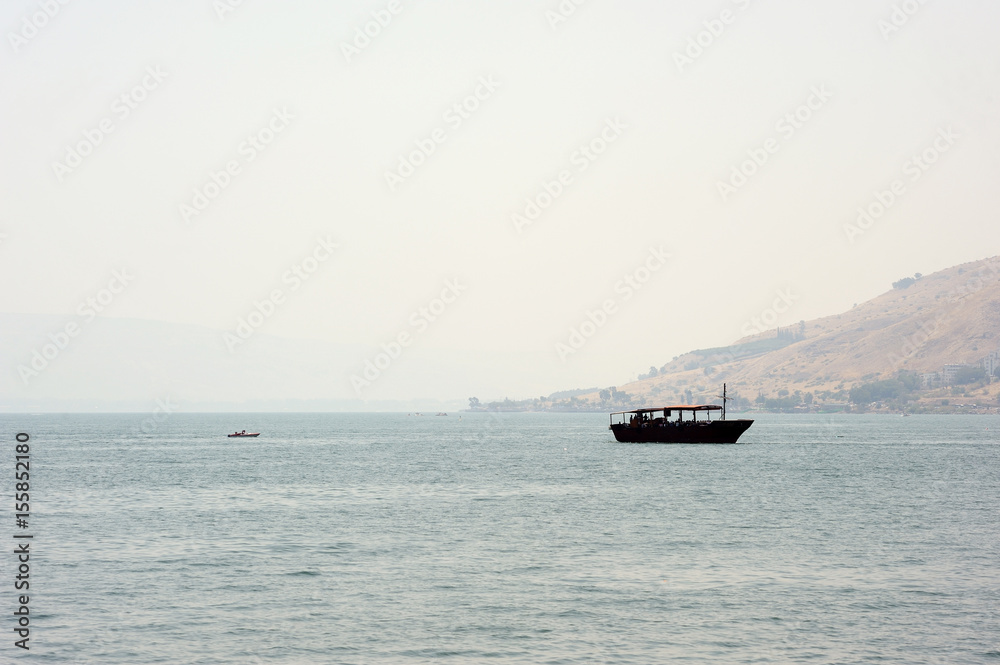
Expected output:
{"points": [[920, 325]]}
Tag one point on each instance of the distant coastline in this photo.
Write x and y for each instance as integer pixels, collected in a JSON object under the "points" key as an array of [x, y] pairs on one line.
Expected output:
{"points": [[948, 409], [931, 344]]}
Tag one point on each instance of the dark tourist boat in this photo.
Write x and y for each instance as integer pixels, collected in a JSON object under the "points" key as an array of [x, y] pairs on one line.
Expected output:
{"points": [[243, 433], [645, 426]]}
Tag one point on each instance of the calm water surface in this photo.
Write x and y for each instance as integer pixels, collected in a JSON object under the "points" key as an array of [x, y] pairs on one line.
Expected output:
{"points": [[522, 538]]}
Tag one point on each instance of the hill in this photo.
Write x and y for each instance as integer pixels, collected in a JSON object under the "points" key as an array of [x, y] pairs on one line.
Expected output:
{"points": [[922, 324], [888, 353]]}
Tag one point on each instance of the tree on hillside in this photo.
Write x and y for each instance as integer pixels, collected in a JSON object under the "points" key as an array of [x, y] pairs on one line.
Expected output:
{"points": [[910, 380], [781, 404], [898, 389], [967, 375], [906, 282]]}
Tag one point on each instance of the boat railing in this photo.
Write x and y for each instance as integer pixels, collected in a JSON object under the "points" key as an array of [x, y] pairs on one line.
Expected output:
{"points": [[663, 415]]}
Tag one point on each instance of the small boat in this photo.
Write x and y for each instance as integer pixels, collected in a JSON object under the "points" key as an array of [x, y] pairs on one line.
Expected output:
{"points": [[243, 433], [644, 426]]}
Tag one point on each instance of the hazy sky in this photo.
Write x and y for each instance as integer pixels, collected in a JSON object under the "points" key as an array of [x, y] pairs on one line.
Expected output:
{"points": [[619, 121]]}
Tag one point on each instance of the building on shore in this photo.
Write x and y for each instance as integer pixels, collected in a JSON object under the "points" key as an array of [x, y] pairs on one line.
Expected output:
{"points": [[950, 373], [991, 363]]}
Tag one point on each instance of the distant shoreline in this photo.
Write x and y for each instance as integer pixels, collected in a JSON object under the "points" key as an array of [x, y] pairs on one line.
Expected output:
{"points": [[944, 410]]}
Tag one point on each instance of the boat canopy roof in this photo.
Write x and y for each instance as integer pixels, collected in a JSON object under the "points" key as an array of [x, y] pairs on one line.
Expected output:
{"points": [[683, 407]]}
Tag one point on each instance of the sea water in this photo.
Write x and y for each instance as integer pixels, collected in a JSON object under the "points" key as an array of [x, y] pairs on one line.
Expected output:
{"points": [[504, 538]]}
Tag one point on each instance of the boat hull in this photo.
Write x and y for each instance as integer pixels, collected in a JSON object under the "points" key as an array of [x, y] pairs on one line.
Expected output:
{"points": [[716, 431], [242, 436]]}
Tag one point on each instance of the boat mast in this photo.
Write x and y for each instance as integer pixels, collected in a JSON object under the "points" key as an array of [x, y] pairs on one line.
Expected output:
{"points": [[724, 398]]}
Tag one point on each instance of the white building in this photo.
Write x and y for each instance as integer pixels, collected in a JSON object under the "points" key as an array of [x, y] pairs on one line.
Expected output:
{"points": [[991, 363], [950, 372]]}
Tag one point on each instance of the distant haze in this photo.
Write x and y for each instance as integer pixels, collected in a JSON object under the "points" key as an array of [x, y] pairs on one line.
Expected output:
{"points": [[394, 200]]}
